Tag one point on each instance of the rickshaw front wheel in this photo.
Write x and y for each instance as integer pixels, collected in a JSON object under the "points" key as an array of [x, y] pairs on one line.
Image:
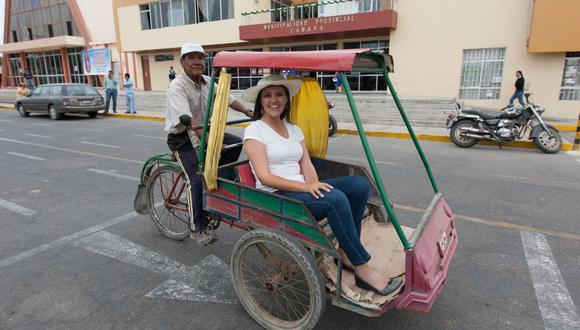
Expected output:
{"points": [[277, 280]]}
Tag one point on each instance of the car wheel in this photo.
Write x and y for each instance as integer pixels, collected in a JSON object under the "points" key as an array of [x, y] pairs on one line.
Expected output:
{"points": [[54, 115], [21, 111], [92, 114]]}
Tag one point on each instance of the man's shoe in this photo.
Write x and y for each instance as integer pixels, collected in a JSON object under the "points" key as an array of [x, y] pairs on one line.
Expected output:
{"points": [[127, 112], [205, 237]]}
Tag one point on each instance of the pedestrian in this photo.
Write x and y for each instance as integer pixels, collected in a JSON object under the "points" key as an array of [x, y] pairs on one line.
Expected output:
{"points": [[171, 74], [22, 91], [519, 93], [337, 82], [111, 91], [29, 79], [187, 95], [128, 84]]}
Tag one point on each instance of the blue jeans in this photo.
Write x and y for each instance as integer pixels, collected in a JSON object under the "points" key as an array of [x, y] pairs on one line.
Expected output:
{"points": [[344, 208], [111, 93], [130, 98], [519, 96], [189, 162]]}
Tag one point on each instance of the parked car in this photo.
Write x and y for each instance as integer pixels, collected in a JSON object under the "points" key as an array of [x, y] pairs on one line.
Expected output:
{"points": [[58, 99]]}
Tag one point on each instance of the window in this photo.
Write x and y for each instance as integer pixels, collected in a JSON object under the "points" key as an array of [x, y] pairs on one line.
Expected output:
{"points": [[481, 73], [39, 19], [165, 13], [366, 81], [145, 17], [55, 90], [75, 90], [14, 37], [29, 34], [570, 88], [50, 31]]}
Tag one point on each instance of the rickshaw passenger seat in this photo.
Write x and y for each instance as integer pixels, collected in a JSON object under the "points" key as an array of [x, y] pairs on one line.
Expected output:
{"points": [[245, 175]]}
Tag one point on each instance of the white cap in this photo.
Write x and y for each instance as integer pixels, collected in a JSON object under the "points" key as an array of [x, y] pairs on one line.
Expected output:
{"points": [[189, 47]]}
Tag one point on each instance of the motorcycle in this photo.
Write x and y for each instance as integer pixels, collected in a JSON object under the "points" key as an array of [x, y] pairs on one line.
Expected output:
{"points": [[332, 125], [470, 126]]}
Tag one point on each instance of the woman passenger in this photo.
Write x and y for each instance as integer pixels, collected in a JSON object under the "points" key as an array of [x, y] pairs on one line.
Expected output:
{"points": [[281, 164]]}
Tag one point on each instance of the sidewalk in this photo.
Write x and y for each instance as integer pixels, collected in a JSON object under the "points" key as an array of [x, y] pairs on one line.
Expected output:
{"points": [[438, 134]]}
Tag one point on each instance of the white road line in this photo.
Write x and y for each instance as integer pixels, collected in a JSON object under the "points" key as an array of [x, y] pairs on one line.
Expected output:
{"points": [[361, 160], [40, 136], [64, 240], [113, 174], [44, 124], [556, 306], [533, 180], [16, 208], [24, 155], [150, 137], [573, 153], [89, 129], [7, 120], [73, 151], [101, 145]]}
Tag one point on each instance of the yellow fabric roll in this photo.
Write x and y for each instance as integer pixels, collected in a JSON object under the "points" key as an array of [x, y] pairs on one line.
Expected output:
{"points": [[310, 112], [216, 131]]}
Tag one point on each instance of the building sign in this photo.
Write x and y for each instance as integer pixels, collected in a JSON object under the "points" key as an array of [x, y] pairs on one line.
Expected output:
{"points": [[379, 21], [97, 61]]}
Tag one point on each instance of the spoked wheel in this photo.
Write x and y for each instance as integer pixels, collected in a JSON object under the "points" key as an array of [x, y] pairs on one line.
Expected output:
{"points": [[549, 144], [168, 202], [277, 280], [460, 140]]}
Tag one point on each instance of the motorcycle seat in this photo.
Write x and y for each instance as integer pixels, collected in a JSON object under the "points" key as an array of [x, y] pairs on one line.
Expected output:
{"points": [[484, 115]]}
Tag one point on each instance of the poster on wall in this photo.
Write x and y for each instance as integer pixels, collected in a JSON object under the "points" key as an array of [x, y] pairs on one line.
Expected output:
{"points": [[97, 61]]}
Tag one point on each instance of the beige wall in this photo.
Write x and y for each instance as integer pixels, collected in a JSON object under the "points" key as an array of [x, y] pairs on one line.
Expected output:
{"points": [[555, 26], [430, 38]]}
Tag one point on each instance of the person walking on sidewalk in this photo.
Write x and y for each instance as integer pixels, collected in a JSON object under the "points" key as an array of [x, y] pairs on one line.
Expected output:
{"points": [[111, 91], [29, 79], [187, 95], [129, 93], [519, 93], [172, 74]]}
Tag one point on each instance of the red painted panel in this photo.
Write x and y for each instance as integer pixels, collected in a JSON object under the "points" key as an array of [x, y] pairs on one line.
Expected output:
{"points": [[222, 206]]}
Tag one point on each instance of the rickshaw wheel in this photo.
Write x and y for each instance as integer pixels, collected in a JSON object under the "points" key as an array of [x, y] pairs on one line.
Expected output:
{"points": [[277, 280], [171, 222]]}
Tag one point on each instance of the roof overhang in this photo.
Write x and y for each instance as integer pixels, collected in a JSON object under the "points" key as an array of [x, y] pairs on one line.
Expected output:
{"points": [[43, 44]]}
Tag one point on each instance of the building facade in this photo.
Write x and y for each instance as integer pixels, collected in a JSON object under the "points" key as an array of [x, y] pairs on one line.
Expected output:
{"points": [[468, 50], [47, 37]]}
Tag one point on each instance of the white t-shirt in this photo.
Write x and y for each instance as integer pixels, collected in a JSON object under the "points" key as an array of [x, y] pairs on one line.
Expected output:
{"points": [[283, 154]]}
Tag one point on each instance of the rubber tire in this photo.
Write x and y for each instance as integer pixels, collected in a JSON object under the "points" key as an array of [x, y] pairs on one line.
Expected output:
{"points": [[54, 115], [178, 236], [307, 265], [92, 114], [544, 148], [332, 125], [22, 112], [454, 132]]}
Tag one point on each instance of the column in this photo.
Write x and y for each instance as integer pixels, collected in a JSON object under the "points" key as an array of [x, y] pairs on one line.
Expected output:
{"points": [[65, 66]]}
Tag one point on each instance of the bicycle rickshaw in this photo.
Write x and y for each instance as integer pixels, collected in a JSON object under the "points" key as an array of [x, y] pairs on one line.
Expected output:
{"points": [[275, 267]]}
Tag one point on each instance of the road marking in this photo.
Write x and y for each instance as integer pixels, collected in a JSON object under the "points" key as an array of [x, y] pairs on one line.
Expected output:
{"points": [[43, 124], [7, 120], [185, 283], [74, 151], [101, 145], [501, 224], [89, 129], [150, 137], [24, 155], [359, 160], [534, 180], [556, 306], [113, 174], [16, 208], [64, 240], [40, 136], [573, 153]]}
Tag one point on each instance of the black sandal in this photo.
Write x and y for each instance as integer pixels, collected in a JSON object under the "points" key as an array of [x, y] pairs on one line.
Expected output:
{"points": [[393, 285]]}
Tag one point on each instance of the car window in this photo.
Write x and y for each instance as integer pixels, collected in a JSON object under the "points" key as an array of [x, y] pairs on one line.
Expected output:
{"points": [[55, 90], [91, 91], [36, 91], [40, 91], [76, 90]]}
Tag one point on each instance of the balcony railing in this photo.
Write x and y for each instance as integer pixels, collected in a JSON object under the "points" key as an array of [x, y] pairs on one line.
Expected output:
{"points": [[315, 10]]}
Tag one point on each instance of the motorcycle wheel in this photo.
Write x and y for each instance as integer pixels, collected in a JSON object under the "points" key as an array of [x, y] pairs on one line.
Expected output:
{"points": [[455, 134], [332, 125], [549, 144]]}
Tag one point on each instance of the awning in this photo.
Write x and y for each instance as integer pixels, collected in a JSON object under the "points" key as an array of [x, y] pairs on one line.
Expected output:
{"points": [[43, 44]]}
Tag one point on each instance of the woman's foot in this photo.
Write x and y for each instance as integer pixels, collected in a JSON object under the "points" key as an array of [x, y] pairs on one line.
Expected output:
{"points": [[345, 260], [366, 277]]}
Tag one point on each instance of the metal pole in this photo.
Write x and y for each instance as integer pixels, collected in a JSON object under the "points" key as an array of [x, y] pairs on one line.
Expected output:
{"points": [[372, 164], [411, 132]]}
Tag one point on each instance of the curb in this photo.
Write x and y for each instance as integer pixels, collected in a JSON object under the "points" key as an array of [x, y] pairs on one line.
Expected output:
{"points": [[424, 137]]}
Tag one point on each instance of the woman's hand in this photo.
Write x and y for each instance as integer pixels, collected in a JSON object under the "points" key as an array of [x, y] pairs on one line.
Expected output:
{"points": [[314, 188]]}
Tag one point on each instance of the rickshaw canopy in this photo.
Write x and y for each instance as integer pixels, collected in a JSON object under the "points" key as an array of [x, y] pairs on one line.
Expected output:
{"points": [[346, 60]]}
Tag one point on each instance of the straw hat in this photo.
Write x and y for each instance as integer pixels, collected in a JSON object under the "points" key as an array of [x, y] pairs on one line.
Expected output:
{"points": [[293, 86]]}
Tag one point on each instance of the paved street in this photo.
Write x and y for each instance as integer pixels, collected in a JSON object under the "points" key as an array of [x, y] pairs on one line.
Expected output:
{"points": [[74, 255]]}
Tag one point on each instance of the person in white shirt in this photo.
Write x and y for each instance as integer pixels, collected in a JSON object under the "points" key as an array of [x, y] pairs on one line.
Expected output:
{"points": [[280, 162], [187, 95]]}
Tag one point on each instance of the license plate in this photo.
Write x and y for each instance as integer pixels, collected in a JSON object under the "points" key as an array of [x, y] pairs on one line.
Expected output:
{"points": [[86, 102], [443, 241]]}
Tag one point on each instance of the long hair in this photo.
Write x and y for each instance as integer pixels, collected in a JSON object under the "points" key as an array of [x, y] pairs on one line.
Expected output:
{"points": [[259, 110], [521, 73]]}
